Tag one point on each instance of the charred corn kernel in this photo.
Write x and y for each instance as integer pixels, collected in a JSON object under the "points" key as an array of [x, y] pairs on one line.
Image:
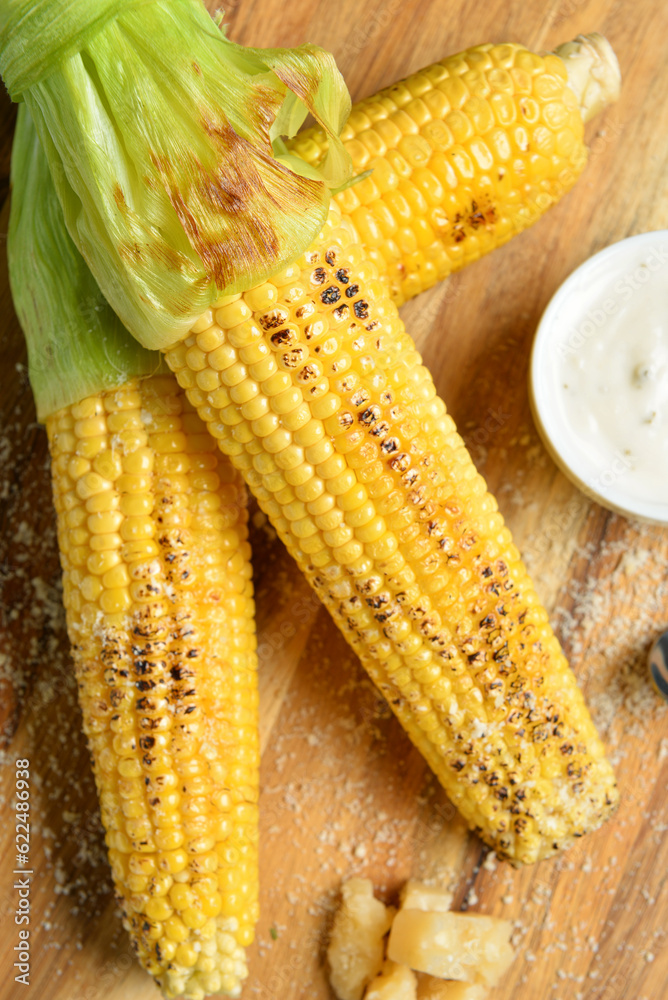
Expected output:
{"points": [[150, 669], [445, 187], [411, 557]]}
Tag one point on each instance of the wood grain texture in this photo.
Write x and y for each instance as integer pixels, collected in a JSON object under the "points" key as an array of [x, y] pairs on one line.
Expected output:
{"points": [[342, 789]]}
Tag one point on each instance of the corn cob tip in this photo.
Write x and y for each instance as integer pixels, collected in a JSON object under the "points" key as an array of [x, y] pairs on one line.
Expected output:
{"points": [[221, 973], [593, 71]]}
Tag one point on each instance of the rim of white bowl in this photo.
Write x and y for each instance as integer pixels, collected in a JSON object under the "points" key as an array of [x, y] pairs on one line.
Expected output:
{"points": [[546, 411]]}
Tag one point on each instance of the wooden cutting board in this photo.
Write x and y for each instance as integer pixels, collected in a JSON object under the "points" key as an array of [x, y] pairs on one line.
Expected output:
{"points": [[343, 791]]}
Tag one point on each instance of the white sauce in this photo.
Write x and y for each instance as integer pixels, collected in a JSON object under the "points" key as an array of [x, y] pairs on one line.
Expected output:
{"points": [[611, 374]]}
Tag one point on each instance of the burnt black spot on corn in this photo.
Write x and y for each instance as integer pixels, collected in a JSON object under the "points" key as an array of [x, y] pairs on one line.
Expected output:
{"points": [[330, 295]]}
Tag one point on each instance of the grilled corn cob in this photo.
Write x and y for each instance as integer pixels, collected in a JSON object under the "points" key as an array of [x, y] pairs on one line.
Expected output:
{"points": [[158, 597], [311, 385], [467, 153], [157, 590]]}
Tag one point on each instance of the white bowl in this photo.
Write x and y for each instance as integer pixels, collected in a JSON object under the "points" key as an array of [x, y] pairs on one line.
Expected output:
{"points": [[573, 317]]}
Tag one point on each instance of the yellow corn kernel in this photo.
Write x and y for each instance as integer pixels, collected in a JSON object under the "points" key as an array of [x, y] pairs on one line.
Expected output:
{"points": [[136, 504], [91, 588], [176, 930], [172, 861], [205, 322], [103, 501], [90, 484], [101, 562], [169, 840], [108, 464], [105, 522], [116, 577], [262, 298], [186, 955], [168, 949], [181, 896], [158, 908], [209, 337], [208, 380], [253, 354], [233, 314], [90, 427], [139, 521], [193, 918]]}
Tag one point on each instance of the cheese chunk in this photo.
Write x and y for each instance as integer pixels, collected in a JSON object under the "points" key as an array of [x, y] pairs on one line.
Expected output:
{"points": [[396, 982], [418, 896], [466, 947], [355, 952], [430, 988]]}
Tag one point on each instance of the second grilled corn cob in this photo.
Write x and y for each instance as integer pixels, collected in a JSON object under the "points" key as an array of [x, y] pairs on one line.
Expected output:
{"points": [[466, 153], [310, 383], [158, 596], [157, 590]]}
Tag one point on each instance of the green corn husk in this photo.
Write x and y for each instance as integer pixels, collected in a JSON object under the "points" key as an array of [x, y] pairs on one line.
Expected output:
{"points": [[165, 143], [77, 346]]}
